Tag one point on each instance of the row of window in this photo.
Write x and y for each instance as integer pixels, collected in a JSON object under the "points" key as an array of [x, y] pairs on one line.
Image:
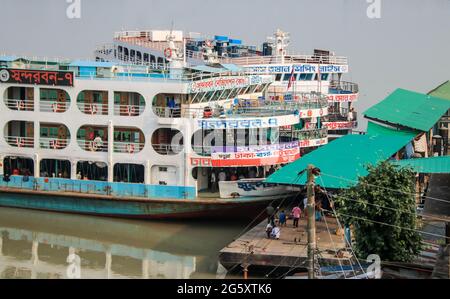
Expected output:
{"points": [[301, 77]]}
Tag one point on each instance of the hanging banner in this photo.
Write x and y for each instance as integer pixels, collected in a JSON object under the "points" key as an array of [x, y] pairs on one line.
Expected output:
{"points": [[340, 125], [342, 98], [34, 77], [255, 159], [312, 142]]}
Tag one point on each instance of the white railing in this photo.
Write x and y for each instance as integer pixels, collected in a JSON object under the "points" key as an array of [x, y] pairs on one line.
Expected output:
{"points": [[53, 143], [93, 108], [128, 147], [128, 110], [93, 145], [18, 141], [20, 105], [53, 106], [168, 149], [250, 60]]}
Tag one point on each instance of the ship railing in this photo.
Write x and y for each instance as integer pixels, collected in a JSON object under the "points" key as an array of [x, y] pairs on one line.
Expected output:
{"points": [[128, 147], [128, 110], [339, 117], [53, 106], [93, 145], [20, 141], [20, 105], [93, 108], [53, 143], [218, 112], [305, 134], [343, 87], [288, 59], [202, 150], [167, 149]]}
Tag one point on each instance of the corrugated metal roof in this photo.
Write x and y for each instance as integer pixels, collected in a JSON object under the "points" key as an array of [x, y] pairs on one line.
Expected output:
{"points": [[84, 63], [427, 165], [409, 109], [343, 160], [442, 91]]}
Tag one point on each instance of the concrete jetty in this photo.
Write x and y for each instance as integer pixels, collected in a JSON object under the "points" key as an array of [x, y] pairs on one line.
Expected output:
{"points": [[255, 249]]}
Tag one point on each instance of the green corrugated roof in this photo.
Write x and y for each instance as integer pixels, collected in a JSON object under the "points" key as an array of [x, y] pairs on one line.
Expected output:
{"points": [[345, 158], [409, 109], [442, 91], [427, 165]]}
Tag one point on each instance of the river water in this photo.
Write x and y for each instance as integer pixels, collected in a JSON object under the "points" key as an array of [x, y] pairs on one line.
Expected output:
{"points": [[37, 244]]}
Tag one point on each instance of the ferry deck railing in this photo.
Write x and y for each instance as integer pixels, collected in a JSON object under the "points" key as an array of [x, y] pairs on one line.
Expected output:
{"points": [[167, 149], [20, 105], [343, 87], [305, 134], [93, 108], [20, 141], [53, 106], [93, 145], [53, 143], [128, 147], [313, 59], [128, 110]]}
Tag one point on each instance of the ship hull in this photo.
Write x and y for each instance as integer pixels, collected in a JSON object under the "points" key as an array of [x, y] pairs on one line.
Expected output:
{"points": [[109, 206]]}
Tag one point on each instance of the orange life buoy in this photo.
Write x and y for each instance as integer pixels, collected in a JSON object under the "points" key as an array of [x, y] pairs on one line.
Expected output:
{"points": [[20, 105], [168, 53], [54, 144], [93, 109], [20, 142], [130, 148], [55, 107], [131, 110]]}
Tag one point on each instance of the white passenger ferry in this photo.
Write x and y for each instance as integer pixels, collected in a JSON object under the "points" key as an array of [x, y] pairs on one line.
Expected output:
{"points": [[296, 75], [153, 136]]}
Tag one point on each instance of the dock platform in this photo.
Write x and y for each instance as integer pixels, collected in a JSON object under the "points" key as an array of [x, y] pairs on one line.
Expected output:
{"points": [[290, 251]]}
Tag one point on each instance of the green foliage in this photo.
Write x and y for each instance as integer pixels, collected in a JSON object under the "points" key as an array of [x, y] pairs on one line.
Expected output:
{"points": [[367, 201]]}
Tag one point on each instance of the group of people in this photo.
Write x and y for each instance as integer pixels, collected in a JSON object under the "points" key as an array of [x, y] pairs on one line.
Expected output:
{"points": [[322, 205]]}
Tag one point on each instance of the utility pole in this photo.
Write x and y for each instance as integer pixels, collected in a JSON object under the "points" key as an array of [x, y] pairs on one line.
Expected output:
{"points": [[311, 226]]}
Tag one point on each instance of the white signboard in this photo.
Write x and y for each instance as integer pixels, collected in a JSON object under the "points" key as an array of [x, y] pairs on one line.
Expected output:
{"points": [[298, 68]]}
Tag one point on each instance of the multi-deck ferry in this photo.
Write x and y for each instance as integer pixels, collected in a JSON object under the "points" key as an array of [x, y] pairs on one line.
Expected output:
{"points": [[296, 75], [153, 136]]}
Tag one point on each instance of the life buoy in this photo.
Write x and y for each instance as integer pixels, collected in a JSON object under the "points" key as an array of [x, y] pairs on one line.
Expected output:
{"points": [[55, 107], [131, 110], [20, 142], [208, 43], [168, 53], [20, 105], [93, 109], [54, 144], [130, 148]]}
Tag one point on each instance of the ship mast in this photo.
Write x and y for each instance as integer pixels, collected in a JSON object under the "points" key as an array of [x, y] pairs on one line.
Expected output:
{"points": [[280, 41]]}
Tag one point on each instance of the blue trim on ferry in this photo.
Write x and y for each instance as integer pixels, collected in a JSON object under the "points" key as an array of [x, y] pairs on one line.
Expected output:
{"points": [[100, 188]]}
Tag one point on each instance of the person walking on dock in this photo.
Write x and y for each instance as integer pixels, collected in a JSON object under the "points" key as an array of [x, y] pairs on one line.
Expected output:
{"points": [[296, 211], [282, 218], [269, 228], [270, 210]]}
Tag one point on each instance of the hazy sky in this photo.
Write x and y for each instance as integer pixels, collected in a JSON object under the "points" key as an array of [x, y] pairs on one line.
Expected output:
{"points": [[408, 47]]}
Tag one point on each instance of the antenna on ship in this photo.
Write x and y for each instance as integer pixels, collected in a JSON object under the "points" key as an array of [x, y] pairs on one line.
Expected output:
{"points": [[280, 40]]}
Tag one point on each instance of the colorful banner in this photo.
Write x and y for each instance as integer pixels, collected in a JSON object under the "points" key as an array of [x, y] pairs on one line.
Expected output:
{"points": [[228, 82], [255, 148], [247, 123], [340, 125], [312, 142], [298, 68], [201, 162], [19, 76], [342, 98], [255, 159]]}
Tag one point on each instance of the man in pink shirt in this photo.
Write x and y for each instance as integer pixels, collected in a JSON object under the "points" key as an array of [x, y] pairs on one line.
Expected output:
{"points": [[296, 211]]}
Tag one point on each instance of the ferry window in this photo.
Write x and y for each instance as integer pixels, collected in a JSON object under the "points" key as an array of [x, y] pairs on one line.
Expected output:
{"points": [[278, 77], [324, 77], [305, 77], [48, 94], [139, 56], [163, 169], [146, 57], [287, 77]]}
